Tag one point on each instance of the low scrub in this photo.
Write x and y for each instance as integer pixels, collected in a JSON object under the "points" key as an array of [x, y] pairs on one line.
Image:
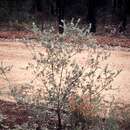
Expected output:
{"points": [[65, 94]]}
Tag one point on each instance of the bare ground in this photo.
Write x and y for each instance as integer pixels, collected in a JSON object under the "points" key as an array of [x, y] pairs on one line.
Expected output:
{"points": [[17, 54]]}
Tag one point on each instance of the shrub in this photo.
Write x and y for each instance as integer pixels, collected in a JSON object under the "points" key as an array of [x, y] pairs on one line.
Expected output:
{"points": [[60, 77], [4, 69]]}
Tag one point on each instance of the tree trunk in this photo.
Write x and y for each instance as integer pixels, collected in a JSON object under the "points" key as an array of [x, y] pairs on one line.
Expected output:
{"points": [[92, 14], [60, 5], [114, 5], [37, 6], [59, 120], [123, 14]]}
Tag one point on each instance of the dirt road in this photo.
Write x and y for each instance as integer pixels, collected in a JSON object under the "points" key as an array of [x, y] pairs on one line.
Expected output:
{"points": [[16, 54]]}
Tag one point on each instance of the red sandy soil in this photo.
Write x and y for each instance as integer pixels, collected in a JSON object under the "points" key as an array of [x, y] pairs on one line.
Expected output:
{"points": [[15, 114], [109, 40]]}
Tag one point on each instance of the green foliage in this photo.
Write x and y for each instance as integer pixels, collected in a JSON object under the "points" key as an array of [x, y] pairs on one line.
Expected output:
{"points": [[111, 124]]}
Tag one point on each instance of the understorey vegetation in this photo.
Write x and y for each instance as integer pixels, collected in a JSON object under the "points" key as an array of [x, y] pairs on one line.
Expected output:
{"points": [[66, 94]]}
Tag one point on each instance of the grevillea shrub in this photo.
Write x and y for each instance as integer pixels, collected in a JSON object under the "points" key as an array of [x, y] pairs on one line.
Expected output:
{"points": [[62, 85]]}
